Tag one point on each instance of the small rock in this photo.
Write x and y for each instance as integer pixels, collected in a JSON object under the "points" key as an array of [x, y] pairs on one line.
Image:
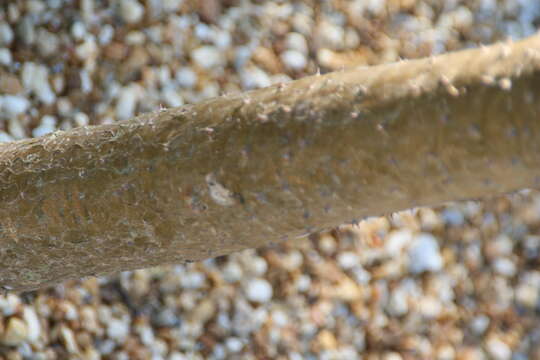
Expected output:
{"points": [[78, 30], [26, 31], [186, 77], [13, 105], [424, 254], [35, 77], [126, 103], [498, 349], [32, 321], [258, 290], [505, 267], [131, 11], [479, 324], [69, 339], [453, 217], [47, 42], [294, 60], [256, 265], [81, 119], [47, 125], [397, 241], [118, 330], [347, 260], [254, 78], [172, 98], [208, 57], [165, 318], [193, 280], [16, 332], [4, 137], [6, 34], [296, 41], [232, 272], [5, 57], [234, 344], [16, 129]]}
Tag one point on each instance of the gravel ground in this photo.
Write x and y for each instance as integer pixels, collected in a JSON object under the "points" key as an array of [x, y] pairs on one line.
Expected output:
{"points": [[461, 281]]}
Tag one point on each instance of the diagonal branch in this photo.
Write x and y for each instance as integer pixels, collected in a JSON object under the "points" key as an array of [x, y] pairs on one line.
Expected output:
{"points": [[273, 164]]}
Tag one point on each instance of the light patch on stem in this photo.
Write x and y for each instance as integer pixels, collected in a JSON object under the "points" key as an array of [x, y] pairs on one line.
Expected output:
{"points": [[220, 194]]}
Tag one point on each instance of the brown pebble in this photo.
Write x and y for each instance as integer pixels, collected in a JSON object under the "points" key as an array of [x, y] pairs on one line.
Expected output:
{"points": [[9, 84], [209, 10]]}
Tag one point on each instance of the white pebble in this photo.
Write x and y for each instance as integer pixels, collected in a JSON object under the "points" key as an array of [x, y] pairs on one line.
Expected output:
{"points": [[186, 77], [254, 78], [81, 119], [13, 105], [106, 34], [397, 240], [126, 103], [424, 254], [498, 349], [78, 30], [5, 57], [47, 125], [294, 59], [453, 217], [296, 41], [131, 11], [348, 260], [505, 267], [35, 77], [258, 290], [117, 329], [4, 137], [232, 272], [32, 321], [208, 57], [479, 324], [234, 345], [193, 280], [6, 34], [172, 98]]}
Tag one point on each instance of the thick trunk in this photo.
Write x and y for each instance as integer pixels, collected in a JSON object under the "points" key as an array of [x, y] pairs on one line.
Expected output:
{"points": [[273, 164]]}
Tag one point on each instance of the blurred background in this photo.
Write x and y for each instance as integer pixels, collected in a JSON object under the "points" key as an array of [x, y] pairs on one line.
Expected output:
{"points": [[461, 281]]}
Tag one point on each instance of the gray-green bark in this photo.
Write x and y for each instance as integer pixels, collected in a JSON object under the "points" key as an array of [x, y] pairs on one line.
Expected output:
{"points": [[273, 164]]}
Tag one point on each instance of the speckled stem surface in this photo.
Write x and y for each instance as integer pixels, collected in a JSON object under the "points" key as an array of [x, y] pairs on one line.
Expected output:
{"points": [[270, 165]]}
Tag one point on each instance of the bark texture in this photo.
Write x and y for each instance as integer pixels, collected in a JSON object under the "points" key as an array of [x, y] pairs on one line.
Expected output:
{"points": [[270, 165]]}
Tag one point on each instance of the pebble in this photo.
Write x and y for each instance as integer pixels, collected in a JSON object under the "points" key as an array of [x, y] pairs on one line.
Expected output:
{"points": [[258, 290], [47, 125], [33, 324], [6, 34], [208, 57], [131, 11], [498, 349], [296, 41], [16, 332], [126, 103], [186, 77], [294, 59], [348, 260], [232, 272], [4, 137], [234, 344], [5, 57], [424, 254], [254, 78], [118, 329], [69, 339], [13, 105]]}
